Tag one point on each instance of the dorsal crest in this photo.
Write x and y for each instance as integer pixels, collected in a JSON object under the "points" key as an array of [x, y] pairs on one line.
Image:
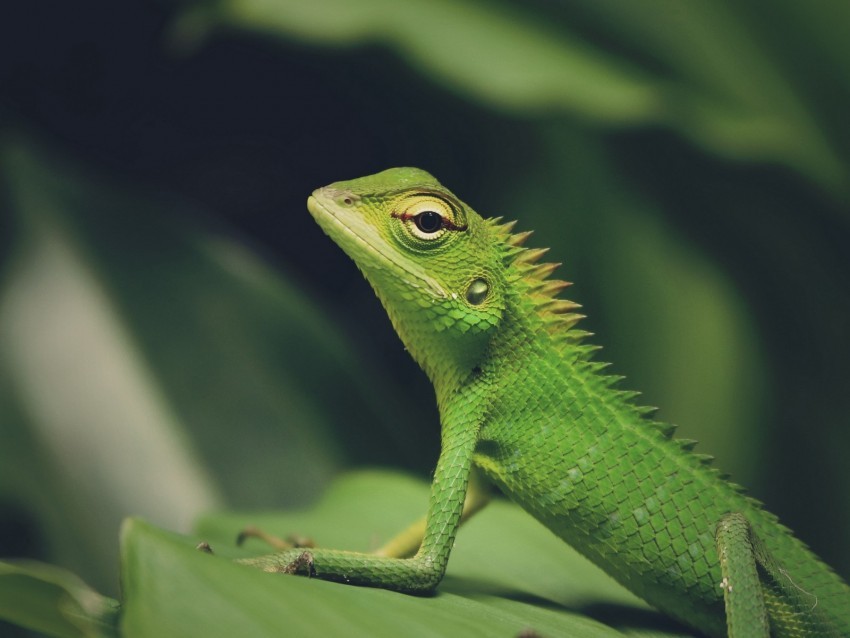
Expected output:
{"points": [[558, 314]]}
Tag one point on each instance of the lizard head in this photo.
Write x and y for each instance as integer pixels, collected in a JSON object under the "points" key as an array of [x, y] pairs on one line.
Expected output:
{"points": [[430, 258]]}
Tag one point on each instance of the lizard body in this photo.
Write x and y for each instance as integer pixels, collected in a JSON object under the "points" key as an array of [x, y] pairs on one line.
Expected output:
{"points": [[521, 398]]}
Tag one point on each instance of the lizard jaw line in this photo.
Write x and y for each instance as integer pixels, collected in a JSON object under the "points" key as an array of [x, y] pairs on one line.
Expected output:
{"points": [[322, 211]]}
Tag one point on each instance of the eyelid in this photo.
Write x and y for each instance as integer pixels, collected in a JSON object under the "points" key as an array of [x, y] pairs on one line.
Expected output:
{"points": [[448, 224], [415, 203]]}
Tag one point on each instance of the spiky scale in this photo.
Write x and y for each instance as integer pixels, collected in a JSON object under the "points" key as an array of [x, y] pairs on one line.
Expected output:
{"points": [[519, 238], [559, 306], [508, 227], [557, 323], [553, 287], [687, 444], [531, 255], [667, 429], [542, 271]]}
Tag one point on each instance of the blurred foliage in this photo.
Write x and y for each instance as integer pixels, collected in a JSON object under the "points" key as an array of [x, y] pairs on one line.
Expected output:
{"points": [[176, 334], [54, 602]]}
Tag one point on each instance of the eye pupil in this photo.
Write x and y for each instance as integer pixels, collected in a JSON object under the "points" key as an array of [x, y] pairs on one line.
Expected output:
{"points": [[428, 221]]}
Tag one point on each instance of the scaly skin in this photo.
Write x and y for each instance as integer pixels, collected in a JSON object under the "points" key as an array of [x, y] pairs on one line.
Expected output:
{"points": [[521, 398]]}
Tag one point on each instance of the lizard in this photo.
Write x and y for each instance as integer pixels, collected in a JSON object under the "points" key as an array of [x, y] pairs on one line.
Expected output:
{"points": [[523, 401]]}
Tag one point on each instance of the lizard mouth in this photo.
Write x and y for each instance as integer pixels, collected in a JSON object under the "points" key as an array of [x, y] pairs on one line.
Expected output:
{"points": [[361, 241]]}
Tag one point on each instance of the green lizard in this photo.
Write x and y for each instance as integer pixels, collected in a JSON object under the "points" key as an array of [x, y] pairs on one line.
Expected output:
{"points": [[521, 399]]}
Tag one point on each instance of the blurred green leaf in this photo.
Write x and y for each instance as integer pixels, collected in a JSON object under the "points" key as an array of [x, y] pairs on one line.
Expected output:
{"points": [[462, 43], [724, 86], [491, 589], [98, 420], [54, 602], [137, 352], [702, 70]]}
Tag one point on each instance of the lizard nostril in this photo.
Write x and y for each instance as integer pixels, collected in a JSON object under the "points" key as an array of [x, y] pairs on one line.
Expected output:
{"points": [[344, 197]]}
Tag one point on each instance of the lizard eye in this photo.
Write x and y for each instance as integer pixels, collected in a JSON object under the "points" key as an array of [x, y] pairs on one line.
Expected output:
{"points": [[428, 217], [428, 221]]}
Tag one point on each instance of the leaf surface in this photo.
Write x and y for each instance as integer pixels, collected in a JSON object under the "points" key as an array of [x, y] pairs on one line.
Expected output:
{"points": [[507, 574]]}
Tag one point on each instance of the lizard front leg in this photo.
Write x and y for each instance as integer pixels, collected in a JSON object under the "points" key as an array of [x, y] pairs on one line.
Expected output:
{"points": [[408, 542], [419, 573], [403, 545]]}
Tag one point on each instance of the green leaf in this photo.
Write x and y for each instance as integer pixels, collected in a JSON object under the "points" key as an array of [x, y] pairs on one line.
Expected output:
{"points": [[507, 574], [139, 339], [720, 82], [701, 72], [460, 43], [55, 602]]}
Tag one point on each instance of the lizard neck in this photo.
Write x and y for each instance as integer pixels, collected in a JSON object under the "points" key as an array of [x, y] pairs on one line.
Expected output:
{"points": [[527, 337], [532, 324]]}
